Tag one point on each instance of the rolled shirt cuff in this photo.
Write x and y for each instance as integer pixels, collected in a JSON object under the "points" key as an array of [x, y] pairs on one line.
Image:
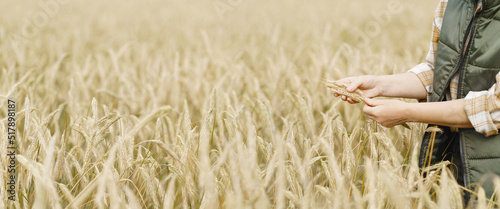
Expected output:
{"points": [[424, 72], [478, 111]]}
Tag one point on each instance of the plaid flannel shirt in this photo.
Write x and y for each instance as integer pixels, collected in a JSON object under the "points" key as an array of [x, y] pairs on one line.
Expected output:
{"points": [[482, 107]]}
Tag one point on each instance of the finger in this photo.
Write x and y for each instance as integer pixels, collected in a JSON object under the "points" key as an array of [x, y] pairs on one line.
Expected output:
{"points": [[388, 125], [370, 94], [368, 110], [354, 85], [368, 102], [344, 97], [335, 94], [345, 80], [349, 99], [373, 102]]}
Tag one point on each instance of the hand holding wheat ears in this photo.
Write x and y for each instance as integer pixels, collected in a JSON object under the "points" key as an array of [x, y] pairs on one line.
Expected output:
{"points": [[341, 88], [357, 95]]}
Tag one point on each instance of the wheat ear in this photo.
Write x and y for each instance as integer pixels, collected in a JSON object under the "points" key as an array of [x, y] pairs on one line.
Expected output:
{"points": [[358, 95], [341, 88]]}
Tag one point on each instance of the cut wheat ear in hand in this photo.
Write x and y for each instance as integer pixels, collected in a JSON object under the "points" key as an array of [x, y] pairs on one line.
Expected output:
{"points": [[341, 88], [358, 95]]}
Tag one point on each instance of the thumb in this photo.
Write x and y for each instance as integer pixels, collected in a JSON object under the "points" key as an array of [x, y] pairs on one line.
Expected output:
{"points": [[354, 85], [372, 102]]}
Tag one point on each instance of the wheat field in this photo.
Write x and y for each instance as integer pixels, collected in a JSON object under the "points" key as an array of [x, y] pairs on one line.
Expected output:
{"points": [[210, 104]]}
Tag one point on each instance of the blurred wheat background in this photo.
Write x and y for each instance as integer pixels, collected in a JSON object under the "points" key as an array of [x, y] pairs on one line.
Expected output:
{"points": [[210, 104]]}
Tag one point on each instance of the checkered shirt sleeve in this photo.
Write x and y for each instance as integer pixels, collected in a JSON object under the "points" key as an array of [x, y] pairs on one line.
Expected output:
{"points": [[425, 70], [483, 109]]}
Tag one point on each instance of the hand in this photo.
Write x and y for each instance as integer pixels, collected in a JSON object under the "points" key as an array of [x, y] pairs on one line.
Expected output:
{"points": [[368, 84], [388, 113]]}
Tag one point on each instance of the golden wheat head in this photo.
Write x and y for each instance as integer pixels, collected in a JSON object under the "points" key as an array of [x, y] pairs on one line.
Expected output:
{"points": [[341, 88]]}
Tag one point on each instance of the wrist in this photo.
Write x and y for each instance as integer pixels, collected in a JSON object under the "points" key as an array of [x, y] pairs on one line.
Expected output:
{"points": [[408, 112], [382, 82]]}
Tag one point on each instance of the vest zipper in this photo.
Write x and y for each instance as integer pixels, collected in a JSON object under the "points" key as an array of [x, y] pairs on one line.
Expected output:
{"points": [[460, 68]]}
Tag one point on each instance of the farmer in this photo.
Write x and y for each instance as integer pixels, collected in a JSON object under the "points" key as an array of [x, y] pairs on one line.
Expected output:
{"points": [[459, 90]]}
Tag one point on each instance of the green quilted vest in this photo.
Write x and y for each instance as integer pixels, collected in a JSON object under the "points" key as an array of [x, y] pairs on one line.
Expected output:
{"points": [[469, 45]]}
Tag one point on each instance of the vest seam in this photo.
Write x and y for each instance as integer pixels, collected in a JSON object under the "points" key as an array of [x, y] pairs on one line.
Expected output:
{"points": [[443, 43], [490, 18], [488, 68]]}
